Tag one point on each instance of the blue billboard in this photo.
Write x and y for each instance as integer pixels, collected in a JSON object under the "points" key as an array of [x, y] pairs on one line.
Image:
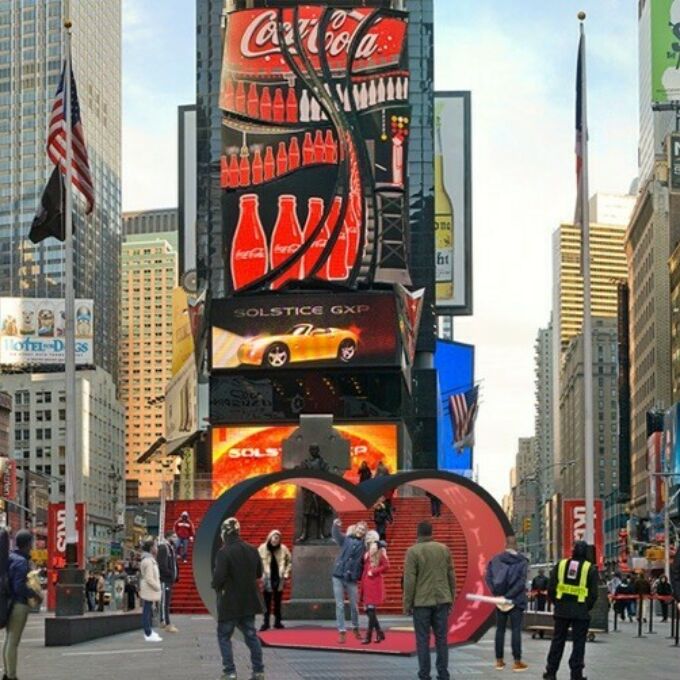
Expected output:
{"points": [[455, 364], [670, 448]]}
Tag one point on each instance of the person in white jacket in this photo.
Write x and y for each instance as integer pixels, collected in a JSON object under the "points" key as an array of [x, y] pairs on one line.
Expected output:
{"points": [[149, 587]]}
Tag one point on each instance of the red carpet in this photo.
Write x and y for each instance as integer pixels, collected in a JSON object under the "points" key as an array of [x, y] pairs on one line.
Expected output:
{"points": [[326, 639]]}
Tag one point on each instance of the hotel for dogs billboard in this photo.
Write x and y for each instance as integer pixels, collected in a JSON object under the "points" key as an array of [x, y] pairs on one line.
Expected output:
{"points": [[32, 331], [315, 126]]}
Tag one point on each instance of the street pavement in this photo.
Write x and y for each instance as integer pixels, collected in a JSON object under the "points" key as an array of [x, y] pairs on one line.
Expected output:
{"points": [[192, 654]]}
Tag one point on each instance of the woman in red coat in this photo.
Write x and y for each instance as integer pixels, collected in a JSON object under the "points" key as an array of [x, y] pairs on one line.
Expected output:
{"points": [[373, 584]]}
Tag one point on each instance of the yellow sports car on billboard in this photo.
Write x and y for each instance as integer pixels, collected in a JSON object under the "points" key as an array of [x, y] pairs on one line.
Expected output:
{"points": [[302, 342]]}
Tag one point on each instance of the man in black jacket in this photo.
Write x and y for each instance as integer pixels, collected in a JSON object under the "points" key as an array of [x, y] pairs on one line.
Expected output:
{"points": [[573, 588], [236, 578], [539, 587], [169, 572]]}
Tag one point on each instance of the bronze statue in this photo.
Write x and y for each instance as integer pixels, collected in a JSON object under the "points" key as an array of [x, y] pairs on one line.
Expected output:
{"points": [[315, 510]]}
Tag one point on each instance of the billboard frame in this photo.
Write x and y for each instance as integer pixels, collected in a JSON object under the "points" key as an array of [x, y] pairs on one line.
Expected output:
{"points": [[465, 309]]}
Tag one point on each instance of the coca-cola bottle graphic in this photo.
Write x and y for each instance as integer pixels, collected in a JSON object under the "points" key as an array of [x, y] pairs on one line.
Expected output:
{"points": [[248, 257], [304, 107], [336, 264], [224, 172], [294, 154], [240, 98], [244, 168], [286, 240], [233, 171], [330, 148], [291, 105], [307, 149], [258, 167], [253, 101], [266, 104], [313, 253], [279, 106], [319, 147], [269, 164], [281, 159], [228, 95]]}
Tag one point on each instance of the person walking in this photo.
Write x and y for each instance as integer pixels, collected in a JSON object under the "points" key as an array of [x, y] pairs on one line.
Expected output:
{"points": [[101, 591], [429, 591], [91, 592], [573, 589], [19, 594], [277, 564], [347, 572], [663, 589], [364, 472], [539, 587], [149, 587], [236, 579], [373, 584], [381, 516], [184, 528], [435, 505], [169, 573], [506, 576]]}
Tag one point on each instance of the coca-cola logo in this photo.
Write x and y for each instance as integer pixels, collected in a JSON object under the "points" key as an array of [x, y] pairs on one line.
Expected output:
{"points": [[290, 249], [261, 36], [252, 254]]}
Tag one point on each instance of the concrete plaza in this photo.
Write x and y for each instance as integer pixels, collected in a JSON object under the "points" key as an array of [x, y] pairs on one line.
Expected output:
{"points": [[192, 654]]}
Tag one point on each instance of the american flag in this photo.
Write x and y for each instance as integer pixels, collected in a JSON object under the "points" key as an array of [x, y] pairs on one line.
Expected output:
{"points": [[56, 141], [464, 407]]}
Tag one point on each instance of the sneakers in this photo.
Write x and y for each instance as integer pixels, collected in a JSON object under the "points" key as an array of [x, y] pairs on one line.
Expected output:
{"points": [[228, 676], [519, 667], [154, 637], [171, 629], [341, 637], [500, 664]]}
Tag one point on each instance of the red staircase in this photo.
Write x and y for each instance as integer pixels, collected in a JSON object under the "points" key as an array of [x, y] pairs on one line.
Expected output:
{"points": [[259, 517]]}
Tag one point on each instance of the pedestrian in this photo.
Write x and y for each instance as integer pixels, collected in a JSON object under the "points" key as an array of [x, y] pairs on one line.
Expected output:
{"points": [[663, 589], [21, 597], [91, 591], [539, 588], [169, 573], [149, 587], [506, 576], [381, 470], [573, 588], [429, 590], [381, 516], [643, 589], [101, 591], [435, 504], [347, 572], [364, 472], [373, 584], [184, 528], [675, 576], [277, 565], [236, 578], [131, 592]]}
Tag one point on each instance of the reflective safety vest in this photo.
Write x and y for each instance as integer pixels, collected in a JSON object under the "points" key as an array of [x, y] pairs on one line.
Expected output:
{"points": [[579, 591]]}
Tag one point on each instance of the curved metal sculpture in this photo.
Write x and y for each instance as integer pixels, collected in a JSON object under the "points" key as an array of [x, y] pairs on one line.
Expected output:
{"points": [[484, 524]]}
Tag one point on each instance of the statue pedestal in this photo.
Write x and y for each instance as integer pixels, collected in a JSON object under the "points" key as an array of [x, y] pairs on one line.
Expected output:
{"points": [[312, 587]]}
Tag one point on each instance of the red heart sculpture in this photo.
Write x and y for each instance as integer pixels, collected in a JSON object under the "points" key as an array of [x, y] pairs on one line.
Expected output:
{"points": [[484, 525]]}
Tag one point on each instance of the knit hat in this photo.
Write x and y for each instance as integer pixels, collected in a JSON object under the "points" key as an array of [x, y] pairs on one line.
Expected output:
{"points": [[24, 540], [230, 526]]}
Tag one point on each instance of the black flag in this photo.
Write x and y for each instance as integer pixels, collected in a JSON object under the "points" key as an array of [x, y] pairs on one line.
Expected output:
{"points": [[49, 220]]}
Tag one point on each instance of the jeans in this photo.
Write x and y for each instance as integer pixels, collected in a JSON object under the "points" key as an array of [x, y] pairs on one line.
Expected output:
{"points": [[91, 596], [515, 615], [166, 597], [225, 629], [579, 632], [426, 619], [15, 629], [339, 588], [147, 616], [182, 548]]}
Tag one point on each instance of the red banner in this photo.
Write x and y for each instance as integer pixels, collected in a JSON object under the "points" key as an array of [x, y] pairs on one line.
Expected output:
{"points": [[574, 527], [9, 480], [56, 545]]}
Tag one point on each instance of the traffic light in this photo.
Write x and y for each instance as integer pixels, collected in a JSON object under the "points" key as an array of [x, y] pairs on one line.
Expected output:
{"points": [[527, 525]]}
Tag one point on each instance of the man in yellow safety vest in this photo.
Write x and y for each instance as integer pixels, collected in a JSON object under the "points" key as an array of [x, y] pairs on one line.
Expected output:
{"points": [[573, 590]]}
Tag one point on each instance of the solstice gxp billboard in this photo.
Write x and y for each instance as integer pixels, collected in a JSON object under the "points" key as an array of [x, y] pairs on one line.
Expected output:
{"points": [[316, 119]]}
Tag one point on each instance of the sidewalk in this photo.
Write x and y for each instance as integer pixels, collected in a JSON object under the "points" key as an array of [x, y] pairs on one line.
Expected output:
{"points": [[192, 654]]}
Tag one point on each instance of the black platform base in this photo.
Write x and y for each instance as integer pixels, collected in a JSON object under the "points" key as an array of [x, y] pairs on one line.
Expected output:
{"points": [[310, 610], [64, 631]]}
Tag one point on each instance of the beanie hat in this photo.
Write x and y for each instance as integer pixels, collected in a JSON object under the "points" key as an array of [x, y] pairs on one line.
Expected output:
{"points": [[23, 540], [230, 526]]}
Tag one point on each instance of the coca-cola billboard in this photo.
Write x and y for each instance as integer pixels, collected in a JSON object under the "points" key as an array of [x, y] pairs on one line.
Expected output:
{"points": [[316, 120]]}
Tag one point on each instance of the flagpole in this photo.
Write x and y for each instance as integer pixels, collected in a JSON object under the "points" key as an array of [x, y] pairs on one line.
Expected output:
{"points": [[588, 453]]}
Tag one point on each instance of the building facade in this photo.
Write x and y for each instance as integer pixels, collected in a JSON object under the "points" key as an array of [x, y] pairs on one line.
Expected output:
{"points": [[149, 275], [526, 518], [38, 438], [31, 49], [150, 222]]}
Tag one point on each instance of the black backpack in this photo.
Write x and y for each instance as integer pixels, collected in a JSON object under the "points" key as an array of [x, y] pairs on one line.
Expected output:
{"points": [[5, 599]]}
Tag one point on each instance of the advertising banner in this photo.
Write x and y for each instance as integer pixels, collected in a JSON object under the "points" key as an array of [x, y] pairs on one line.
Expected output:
{"points": [[656, 498], [181, 404], [574, 527], [453, 203], [182, 337], [32, 331], [9, 478], [313, 330], [56, 545], [239, 453], [665, 50], [316, 118]]}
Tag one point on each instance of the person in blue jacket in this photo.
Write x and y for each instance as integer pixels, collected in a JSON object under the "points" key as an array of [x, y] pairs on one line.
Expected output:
{"points": [[20, 594]]}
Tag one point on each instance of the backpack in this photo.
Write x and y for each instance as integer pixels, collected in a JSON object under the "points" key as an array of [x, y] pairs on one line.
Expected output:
{"points": [[500, 578], [5, 598]]}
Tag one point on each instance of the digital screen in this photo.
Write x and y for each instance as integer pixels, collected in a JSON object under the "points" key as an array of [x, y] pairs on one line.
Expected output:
{"points": [[277, 332], [239, 453]]}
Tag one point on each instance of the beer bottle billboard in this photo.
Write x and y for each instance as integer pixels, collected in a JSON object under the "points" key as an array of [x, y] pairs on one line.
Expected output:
{"points": [[443, 223]]}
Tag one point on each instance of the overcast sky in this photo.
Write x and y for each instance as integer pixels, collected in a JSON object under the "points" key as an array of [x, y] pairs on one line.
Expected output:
{"points": [[518, 59]]}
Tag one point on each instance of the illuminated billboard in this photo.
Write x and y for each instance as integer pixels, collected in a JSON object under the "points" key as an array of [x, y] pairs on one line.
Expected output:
{"points": [[239, 453], [313, 330], [315, 125], [32, 331]]}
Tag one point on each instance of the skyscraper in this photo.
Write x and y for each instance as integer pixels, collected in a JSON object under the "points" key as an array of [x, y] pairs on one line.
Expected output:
{"points": [[31, 51]]}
